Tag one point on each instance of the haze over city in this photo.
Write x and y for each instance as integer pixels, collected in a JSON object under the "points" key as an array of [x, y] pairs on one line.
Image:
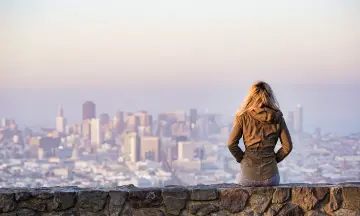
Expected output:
{"points": [[108, 93]]}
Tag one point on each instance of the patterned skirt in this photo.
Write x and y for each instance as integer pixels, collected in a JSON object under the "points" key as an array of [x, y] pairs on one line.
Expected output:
{"points": [[273, 181]]}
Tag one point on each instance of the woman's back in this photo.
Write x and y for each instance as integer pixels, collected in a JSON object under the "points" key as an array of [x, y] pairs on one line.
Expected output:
{"points": [[260, 127]]}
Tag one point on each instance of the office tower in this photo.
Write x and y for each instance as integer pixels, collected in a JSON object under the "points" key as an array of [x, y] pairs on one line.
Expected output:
{"points": [[86, 129], [104, 119], [186, 150], [179, 129], [131, 149], [290, 121], [60, 121], [97, 137], [5, 122], [89, 110], [119, 117], [150, 148], [299, 119], [132, 122]]}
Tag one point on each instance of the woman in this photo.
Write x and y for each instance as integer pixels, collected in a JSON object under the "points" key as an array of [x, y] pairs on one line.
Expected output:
{"points": [[261, 124]]}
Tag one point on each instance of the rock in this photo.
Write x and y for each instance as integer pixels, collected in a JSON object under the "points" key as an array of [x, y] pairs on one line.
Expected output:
{"points": [[203, 209], [42, 193], [281, 195], [64, 200], [174, 199], [321, 192], [148, 212], [61, 213], [335, 200], [25, 212], [290, 210], [351, 198], [273, 210], [145, 197], [92, 201], [220, 213], [7, 202], [233, 200], [260, 199], [35, 204], [304, 197], [87, 213], [315, 213], [22, 195], [117, 200], [8, 214], [346, 212], [203, 193]]}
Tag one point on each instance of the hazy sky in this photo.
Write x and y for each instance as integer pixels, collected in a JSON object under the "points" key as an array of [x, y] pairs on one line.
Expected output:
{"points": [[86, 43]]}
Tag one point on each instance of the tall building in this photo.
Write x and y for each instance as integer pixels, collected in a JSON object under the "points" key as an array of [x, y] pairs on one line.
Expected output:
{"points": [[131, 148], [86, 129], [186, 150], [97, 136], [5, 122], [290, 121], [60, 121], [193, 117], [150, 148], [299, 119], [89, 110], [104, 118]]}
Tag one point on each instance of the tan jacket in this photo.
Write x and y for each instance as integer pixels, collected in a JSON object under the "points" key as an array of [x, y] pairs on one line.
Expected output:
{"points": [[260, 129]]}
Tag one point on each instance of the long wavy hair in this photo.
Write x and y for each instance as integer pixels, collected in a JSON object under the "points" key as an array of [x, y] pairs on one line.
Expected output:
{"points": [[260, 95]]}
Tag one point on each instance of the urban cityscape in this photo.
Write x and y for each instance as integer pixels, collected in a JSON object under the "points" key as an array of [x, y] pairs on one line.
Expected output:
{"points": [[177, 147]]}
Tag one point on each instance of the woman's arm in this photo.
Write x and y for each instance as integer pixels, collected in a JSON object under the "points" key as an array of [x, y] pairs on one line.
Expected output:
{"points": [[233, 143], [286, 143]]}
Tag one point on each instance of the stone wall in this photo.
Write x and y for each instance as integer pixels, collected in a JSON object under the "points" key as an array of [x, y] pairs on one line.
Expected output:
{"points": [[225, 199]]}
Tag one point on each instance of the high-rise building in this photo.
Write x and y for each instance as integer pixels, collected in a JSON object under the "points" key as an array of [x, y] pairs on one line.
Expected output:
{"points": [[5, 122], [150, 148], [186, 150], [131, 148], [299, 119], [97, 136], [60, 121], [104, 118], [89, 110], [86, 129], [290, 121]]}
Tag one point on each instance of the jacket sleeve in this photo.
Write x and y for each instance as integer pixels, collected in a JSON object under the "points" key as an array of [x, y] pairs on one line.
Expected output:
{"points": [[233, 143], [286, 143]]}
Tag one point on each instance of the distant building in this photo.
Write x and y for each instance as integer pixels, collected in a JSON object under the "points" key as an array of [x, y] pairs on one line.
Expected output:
{"points": [[186, 150], [150, 148], [60, 121], [97, 136], [89, 110], [193, 117], [104, 119], [131, 148], [86, 129], [290, 121], [299, 119], [5, 122]]}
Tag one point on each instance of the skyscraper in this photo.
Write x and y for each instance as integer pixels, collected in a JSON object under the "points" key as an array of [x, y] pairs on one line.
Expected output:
{"points": [[299, 119], [150, 148], [131, 149], [290, 121], [104, 118], [60, 121], [89, 110], [97, 136]]}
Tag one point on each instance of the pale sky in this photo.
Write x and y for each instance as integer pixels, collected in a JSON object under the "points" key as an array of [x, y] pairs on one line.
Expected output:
{"points": [[86, 43]]}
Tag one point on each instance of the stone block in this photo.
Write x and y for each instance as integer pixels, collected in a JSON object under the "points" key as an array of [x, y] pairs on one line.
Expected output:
{"points": [[281, 195], [92, 200], [304, 197], [233, 200], [203, 193], [174, 199], [351, 198], [145, 197]]}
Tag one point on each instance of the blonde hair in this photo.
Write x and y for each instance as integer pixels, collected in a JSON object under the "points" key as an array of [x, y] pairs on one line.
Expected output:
{"points": [[260, 94]]}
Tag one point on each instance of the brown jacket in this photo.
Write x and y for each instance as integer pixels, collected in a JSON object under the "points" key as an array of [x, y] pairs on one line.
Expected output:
{"points": [[261, 129]]}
